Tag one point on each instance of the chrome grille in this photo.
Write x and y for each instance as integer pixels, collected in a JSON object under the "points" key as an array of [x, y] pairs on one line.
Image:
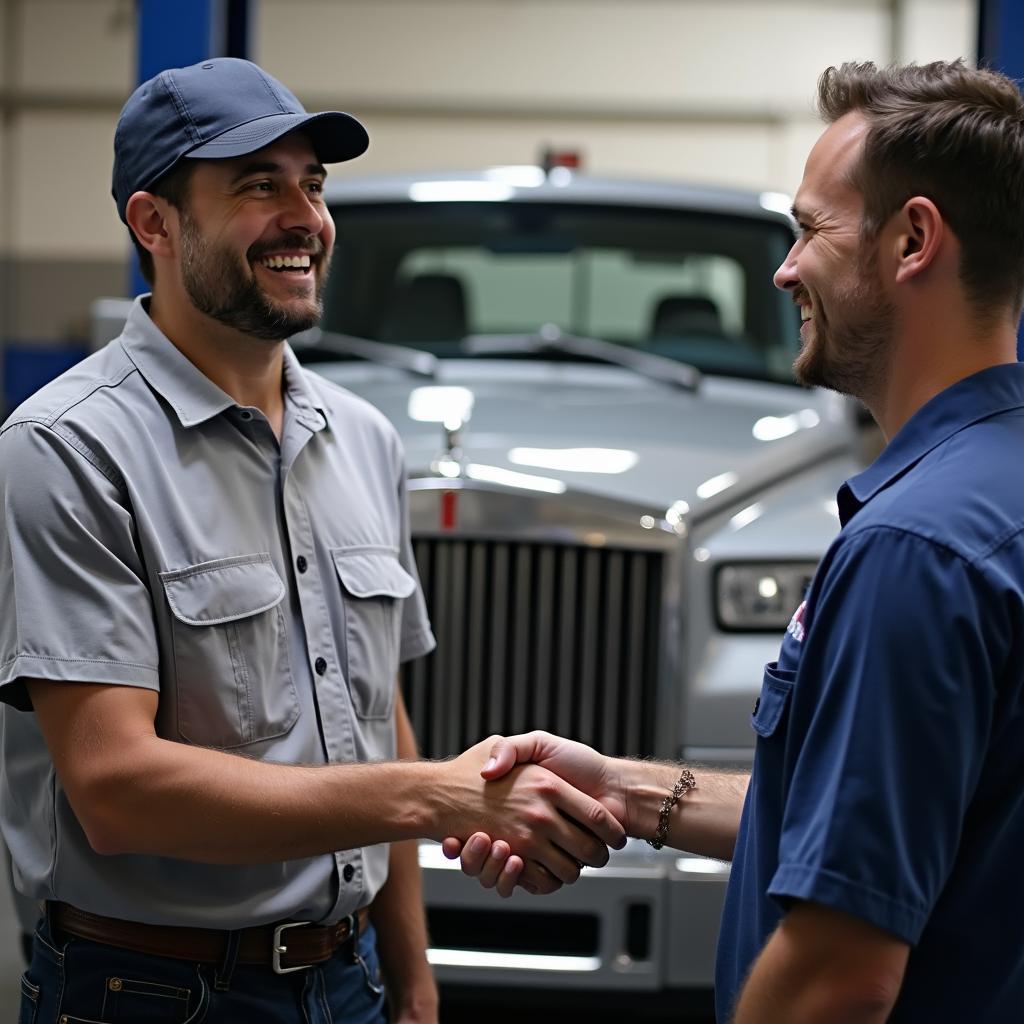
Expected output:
{"points": [[537, 636]]}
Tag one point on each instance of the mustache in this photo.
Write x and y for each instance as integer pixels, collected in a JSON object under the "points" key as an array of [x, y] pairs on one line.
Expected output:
{"points": [[293, 242]]}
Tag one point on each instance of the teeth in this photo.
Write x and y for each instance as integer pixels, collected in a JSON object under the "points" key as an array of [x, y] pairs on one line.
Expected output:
{"points": [[279, 262], [805, 313]]}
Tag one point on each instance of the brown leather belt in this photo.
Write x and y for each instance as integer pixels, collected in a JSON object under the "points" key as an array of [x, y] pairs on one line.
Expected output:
{"points": [[286, 947]]}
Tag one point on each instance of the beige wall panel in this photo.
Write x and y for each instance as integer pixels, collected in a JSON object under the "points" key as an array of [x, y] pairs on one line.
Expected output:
{"points": [[791, 144], [75, 46], [938, 30], [558, 53], [61, 178], [4, 41], [721, 154], [6, 195]]}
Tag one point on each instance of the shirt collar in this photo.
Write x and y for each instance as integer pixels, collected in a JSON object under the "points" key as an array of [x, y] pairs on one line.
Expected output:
{"points": [[309, 409], [991, 391], [190, 393]]}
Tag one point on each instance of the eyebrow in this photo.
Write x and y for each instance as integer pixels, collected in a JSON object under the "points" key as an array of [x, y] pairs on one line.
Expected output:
{"points": [[799, 215], [318, 170]]}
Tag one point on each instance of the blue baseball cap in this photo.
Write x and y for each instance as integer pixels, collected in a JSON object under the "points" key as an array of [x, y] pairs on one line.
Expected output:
{"points": [[223, 107]]}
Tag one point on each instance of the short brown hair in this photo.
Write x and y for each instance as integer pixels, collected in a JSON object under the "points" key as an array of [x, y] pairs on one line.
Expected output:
{"points": [[173, 187], [956, 136]]}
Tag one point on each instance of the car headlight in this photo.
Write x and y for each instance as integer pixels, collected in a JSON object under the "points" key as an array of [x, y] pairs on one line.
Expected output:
{"points": [[760, 595]]}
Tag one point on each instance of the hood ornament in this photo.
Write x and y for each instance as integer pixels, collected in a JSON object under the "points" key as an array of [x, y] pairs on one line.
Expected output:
{"points": [[452, 408], [452, 461]]}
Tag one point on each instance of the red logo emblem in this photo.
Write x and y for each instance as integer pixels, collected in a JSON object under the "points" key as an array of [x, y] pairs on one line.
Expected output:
{"points": [[449, 509]]}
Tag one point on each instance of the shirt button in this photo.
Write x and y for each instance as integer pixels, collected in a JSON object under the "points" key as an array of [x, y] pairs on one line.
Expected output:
{"points": [[245, 414], [349, 873], [301, 564], [320, 665]]}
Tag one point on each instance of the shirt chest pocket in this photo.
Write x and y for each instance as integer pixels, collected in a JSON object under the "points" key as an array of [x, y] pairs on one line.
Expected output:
{"points": [[374, 586], [232, 676], [769, 716]]}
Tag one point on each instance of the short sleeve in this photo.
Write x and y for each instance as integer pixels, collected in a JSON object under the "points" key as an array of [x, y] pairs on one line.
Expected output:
{"points": [[75, 606], [894, 702]]}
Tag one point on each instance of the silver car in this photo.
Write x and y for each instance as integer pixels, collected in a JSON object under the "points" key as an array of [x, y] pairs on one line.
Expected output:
{"points": [[618, 496]]}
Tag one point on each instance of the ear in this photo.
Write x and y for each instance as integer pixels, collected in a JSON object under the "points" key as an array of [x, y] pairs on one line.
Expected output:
{"points": [[147, 215], [920, 231]]}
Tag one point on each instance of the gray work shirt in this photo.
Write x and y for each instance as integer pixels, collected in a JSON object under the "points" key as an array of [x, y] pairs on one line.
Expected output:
{"points": [[157, 535]]}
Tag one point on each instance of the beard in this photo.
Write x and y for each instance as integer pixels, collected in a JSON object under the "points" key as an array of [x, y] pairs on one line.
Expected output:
{"points": [[222, 286], [850, 355]]}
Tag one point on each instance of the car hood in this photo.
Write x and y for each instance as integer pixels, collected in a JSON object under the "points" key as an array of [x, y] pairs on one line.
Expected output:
{"points": [[571, 428]]}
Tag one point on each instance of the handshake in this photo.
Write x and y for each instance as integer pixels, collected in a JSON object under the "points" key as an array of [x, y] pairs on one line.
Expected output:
{"points": [[547, 807]]}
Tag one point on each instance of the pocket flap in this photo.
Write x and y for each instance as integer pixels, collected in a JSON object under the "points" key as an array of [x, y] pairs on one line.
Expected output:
{"points": [[775, 691], [372, 572], [223, 590]]}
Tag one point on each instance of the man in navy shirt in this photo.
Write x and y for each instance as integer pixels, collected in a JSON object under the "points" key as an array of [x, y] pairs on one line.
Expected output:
{"points": [[877, 847]]}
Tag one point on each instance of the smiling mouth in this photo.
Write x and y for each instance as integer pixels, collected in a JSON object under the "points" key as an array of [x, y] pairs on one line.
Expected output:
{"points": [[286, 264]]}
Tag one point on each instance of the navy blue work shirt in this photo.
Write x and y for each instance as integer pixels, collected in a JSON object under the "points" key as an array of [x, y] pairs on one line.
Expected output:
{"points": [[888, 780]]}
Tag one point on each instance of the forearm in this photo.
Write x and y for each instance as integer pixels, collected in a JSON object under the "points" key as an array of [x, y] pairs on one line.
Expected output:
{"points": [[175, 800], [705, 820], [766, 999], [134, 792], [821, 966], [399, 917]]}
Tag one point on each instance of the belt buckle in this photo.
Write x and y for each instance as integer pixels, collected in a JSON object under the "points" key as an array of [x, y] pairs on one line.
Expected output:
{"points": [[280, 948]]}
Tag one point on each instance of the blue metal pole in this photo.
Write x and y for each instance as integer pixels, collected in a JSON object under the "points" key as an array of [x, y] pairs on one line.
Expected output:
{"points": [[176, 33], [1001, 47]]}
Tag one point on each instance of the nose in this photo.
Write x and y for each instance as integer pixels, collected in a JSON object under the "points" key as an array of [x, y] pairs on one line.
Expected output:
{"points": [[786, 277], [300, 213]]}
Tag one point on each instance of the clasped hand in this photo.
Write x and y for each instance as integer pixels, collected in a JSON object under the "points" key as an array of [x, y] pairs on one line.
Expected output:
{"points": [[564, 803]]}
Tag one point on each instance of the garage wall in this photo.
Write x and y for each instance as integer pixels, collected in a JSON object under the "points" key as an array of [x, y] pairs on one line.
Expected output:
{"points": [[66, 67], [717, 91], [707, 90]]}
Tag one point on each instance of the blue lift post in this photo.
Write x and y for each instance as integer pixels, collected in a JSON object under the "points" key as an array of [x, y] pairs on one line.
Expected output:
{"points": [[176, 34], [1001, 47]]}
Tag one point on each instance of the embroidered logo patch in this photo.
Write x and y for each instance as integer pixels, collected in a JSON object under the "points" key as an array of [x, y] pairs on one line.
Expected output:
{"points": [[796, 624]]}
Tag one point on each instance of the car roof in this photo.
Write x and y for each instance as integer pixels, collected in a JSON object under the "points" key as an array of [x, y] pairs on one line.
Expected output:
{"points": [[530, 184]]}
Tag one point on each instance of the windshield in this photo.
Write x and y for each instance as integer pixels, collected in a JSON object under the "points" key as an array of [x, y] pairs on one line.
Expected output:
{"points": [[695, 287]]}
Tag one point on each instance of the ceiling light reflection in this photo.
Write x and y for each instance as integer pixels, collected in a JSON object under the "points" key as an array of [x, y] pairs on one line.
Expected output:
{"points": [[451, 406], [746, 516], [773, 428], [575, 460], [510, 478], [460, 191], [716, 485], [521, 176]]}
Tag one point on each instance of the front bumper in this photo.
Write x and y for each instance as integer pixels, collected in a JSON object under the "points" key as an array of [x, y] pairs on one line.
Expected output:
{"points": [[645, 922]]}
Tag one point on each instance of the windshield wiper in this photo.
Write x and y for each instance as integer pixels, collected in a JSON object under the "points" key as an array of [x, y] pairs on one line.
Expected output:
{"points": [[414, 360], [549, 337]]}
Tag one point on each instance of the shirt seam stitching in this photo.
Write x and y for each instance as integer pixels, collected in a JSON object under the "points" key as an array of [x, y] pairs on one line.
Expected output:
{"points": [[94, 386], [809, 872], [971, 561], [76, 661], [88, 454], [1000, 539], [232, 562]]}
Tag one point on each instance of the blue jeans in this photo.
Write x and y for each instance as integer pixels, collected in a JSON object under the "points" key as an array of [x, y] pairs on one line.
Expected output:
{"points": [[78, 981]]}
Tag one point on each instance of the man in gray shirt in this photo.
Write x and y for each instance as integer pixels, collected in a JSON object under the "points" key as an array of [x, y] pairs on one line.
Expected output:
{"points": [[210, 590]]}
